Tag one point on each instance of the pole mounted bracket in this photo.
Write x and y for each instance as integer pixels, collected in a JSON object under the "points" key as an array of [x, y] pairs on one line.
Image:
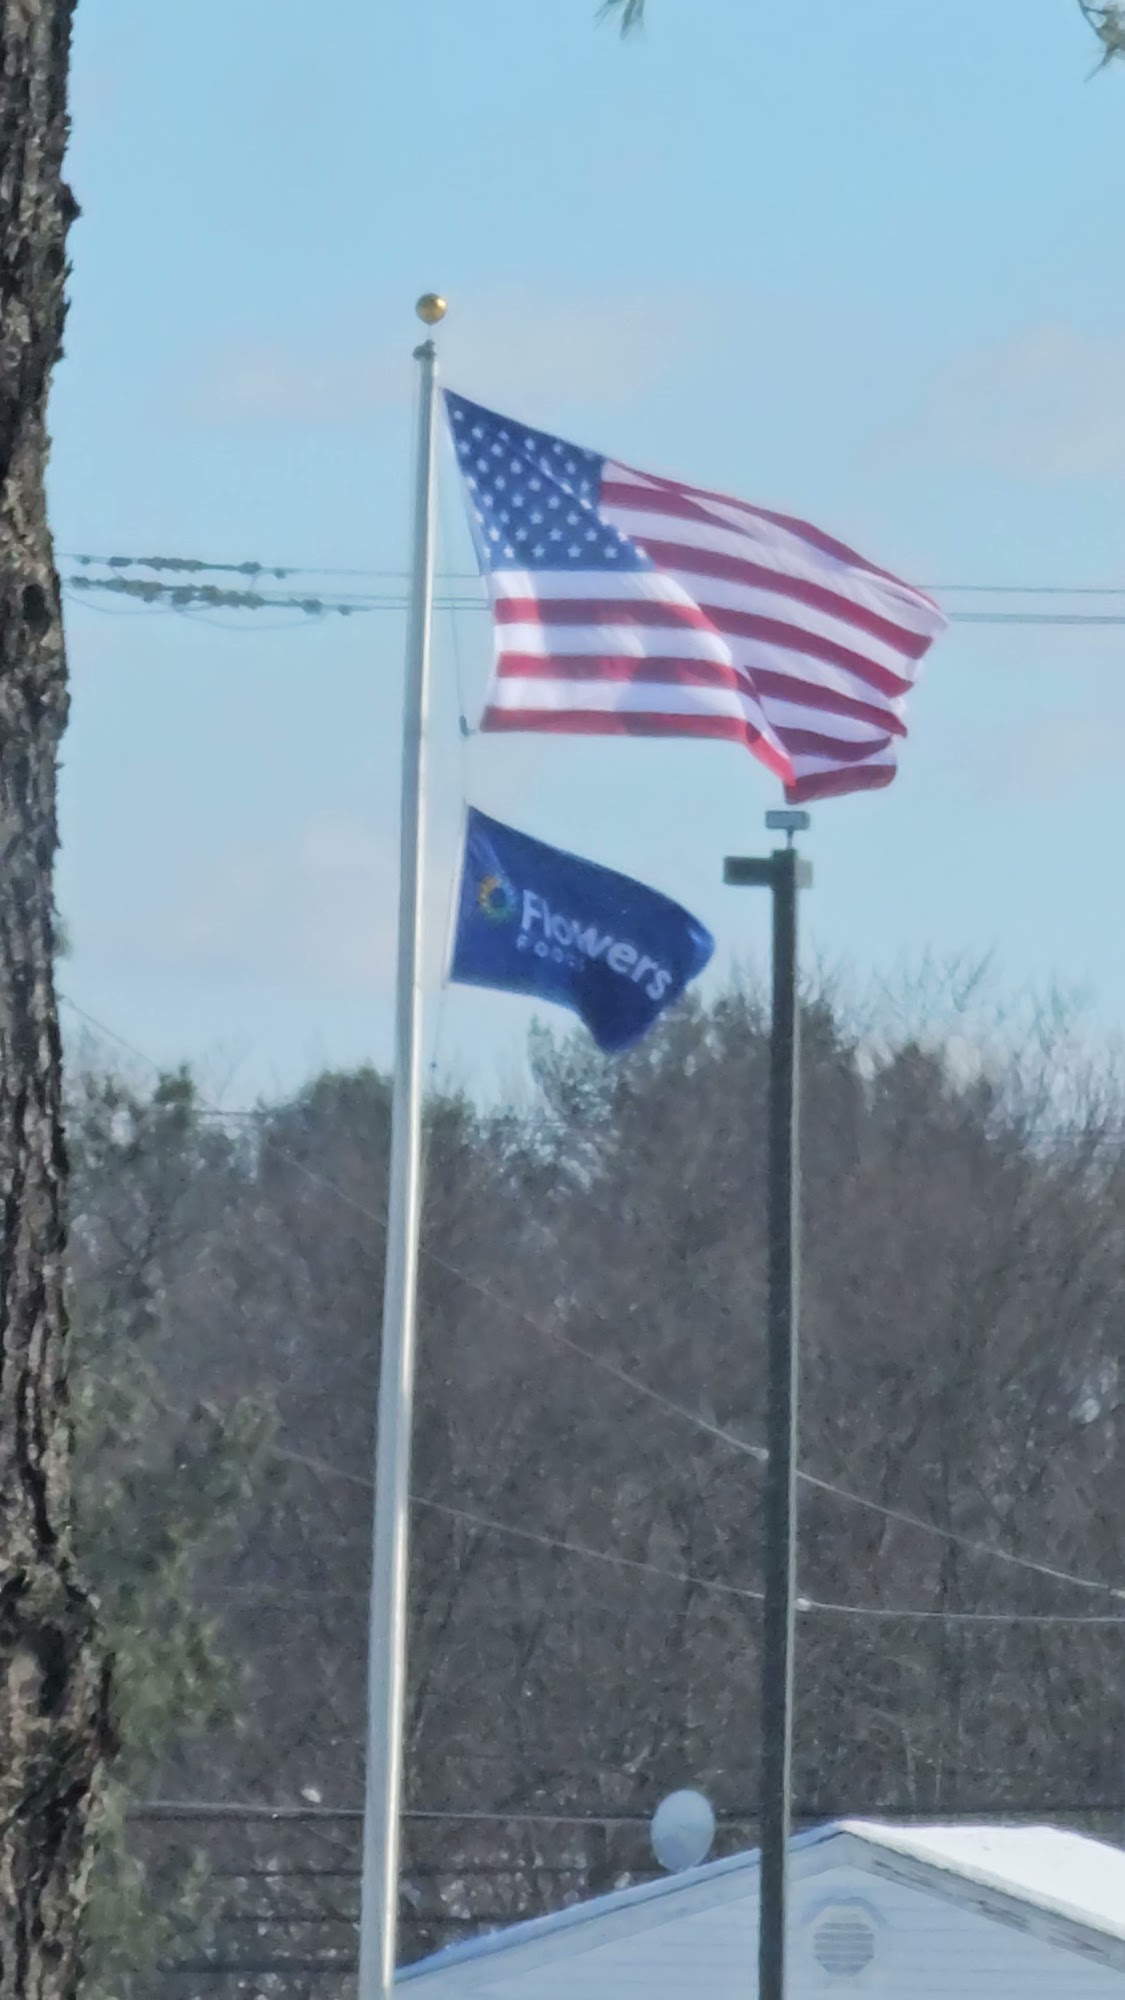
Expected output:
{"points": [[762, 871]]}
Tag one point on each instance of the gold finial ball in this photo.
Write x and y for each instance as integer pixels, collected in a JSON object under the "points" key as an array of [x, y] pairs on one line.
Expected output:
{"points": [[431, 307]]}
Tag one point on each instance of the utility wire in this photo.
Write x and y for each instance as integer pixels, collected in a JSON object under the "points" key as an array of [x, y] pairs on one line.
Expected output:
{"points": [[806, 1606], [191, 597], [186, 1810], [194, 565], [318, 607], [483, 1521]]}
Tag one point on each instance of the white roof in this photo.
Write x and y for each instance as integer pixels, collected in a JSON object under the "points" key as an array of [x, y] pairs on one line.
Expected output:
{"points": [[1064, 1873], [1064, 1876]]}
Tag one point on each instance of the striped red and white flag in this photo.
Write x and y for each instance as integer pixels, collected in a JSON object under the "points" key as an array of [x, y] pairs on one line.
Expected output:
{"points": [[633, 605]]}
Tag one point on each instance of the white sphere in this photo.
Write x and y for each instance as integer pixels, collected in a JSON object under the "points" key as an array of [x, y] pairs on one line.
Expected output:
{"points": [[683, 1827]]}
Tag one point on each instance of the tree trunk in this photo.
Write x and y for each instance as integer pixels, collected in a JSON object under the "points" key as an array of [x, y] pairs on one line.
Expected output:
{"points": [[53, 1683]]}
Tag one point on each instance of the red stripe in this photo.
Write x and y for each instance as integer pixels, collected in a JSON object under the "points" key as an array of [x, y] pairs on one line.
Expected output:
{"points": [[588, 722], [810, 743], [649, 612], [600, 611], [825, 545], [660, 499], [794, 639], [667, 672], [707, 562], [809, 694], [660, 668], [833, 784]]}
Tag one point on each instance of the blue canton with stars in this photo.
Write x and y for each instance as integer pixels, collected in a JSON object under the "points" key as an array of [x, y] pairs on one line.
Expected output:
{"points": [[533, 498]]}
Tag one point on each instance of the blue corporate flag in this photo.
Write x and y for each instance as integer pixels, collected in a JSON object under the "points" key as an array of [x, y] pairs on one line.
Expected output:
{"points": [[533, 920]]}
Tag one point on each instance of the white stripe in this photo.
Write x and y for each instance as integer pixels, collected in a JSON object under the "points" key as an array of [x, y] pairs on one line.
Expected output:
{"points": [[785, 715], [853, 782], [816, 767], [541, 697], [637, 642], [751, 656], [713, 596], [790, 552], [625, 697], [654, 585], [746, 656], [849, 585], [549, 642]]}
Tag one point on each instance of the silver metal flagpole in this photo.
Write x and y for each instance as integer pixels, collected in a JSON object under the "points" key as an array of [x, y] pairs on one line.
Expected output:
{"points": [[386, 1670]]}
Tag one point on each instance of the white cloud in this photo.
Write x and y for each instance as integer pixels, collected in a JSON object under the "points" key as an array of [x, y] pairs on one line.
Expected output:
{"points": [[1047, 404], [512, 346]]}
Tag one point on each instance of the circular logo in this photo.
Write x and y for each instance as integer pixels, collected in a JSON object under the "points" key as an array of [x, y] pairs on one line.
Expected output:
{"points": [[496, 899]]}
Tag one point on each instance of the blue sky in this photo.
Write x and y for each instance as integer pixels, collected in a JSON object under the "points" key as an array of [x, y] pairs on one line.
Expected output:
{"points": [[862, 262]]}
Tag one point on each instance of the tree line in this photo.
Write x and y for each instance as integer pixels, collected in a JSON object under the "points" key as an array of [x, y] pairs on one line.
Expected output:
{"points": [[587, 1475]]}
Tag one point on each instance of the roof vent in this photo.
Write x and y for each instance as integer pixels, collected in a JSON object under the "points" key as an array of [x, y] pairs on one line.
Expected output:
{"points": [[843, 1941]]}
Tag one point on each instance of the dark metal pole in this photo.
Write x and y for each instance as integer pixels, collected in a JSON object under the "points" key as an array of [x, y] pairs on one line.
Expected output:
{"points": [[780, 1512], [784, 874]]}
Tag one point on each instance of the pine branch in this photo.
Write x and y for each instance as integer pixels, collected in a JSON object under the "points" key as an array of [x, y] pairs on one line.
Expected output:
{"points": [[629, 14], [1108, 24]]}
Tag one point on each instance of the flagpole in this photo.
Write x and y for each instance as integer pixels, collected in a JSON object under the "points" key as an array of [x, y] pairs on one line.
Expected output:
{"points": [[784, 874], [386, 1668]]}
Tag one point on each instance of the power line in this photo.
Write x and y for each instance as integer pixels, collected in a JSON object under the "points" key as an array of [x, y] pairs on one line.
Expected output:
{"points": [[194, 565], [191, 598], [173, 1811], [758, 1452], [565, 1547], [635, 1385], [1028, 589], [249, 597], [807, 1606], [262, 1968], [1035, 618]]}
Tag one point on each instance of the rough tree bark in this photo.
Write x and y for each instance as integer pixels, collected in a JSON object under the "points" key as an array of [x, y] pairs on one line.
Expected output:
{"points": [[53, 1683]]}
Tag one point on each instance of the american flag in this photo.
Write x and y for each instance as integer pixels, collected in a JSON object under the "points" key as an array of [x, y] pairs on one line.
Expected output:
{"points": [[626, 604]]}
